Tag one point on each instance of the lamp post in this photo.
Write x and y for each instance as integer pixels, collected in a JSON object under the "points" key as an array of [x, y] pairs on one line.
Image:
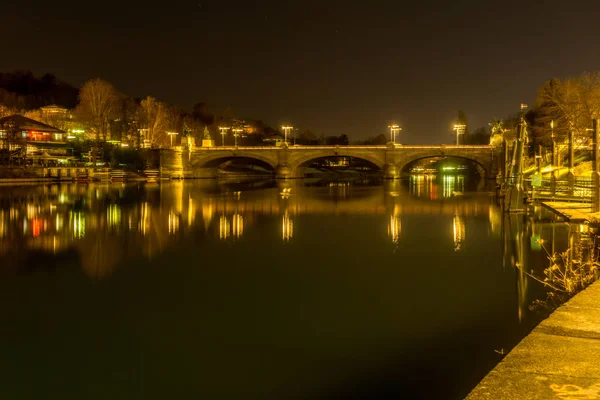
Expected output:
{"points": [[393, 129], [171, 134], [460, 130], [286, 129], [236, 134], [223, 130]]}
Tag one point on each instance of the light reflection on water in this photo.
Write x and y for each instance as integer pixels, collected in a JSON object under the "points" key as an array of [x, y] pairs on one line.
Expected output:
{"points": [[369, 270]]}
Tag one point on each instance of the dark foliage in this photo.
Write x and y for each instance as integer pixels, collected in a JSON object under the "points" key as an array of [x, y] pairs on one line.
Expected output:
{"points": [[22, 90]]}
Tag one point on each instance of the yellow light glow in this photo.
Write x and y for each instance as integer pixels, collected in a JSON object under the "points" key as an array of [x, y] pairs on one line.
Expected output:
{"points": [[394, 228], [237, 225], [459, 232], [224, 228], [113, 215], [287, 227], [173, 222], [78, 219]]}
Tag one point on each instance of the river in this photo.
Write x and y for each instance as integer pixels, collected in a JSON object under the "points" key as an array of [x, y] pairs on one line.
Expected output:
{"points": [[268, 289]]}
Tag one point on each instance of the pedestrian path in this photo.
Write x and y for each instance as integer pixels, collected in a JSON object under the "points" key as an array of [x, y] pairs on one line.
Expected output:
{"points": [[559, 359], [573, 212]]}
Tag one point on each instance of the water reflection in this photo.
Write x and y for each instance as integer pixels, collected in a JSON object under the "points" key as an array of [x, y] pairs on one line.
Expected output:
{"points": [[458, 231], [430, 186], [364, 251], [287, 226], [153, 218]]}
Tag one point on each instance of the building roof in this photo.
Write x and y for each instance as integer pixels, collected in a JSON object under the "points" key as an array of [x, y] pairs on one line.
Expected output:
{"points": [[54, 107], [27, 124]]}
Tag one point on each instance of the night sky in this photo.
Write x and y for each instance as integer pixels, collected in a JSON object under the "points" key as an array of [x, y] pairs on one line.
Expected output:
{"points": [[332, 67]]}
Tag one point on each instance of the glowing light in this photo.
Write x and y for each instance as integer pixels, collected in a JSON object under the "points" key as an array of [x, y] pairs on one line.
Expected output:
{"points": [[113, 215], [458, 230], [460, 130], [78, 224], [286, 129], [287, 227], [224, 227], [223, 130], [208, 212], [144, 218], [394, 228], [191, 213], [237, 223], [173, 222], [171, 134], [394, 128], [58, 223], [36, 227], [3, 228]]}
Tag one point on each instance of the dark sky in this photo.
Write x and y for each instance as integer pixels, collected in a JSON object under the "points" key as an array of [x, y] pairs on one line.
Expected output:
{"points": [[330, 66]]}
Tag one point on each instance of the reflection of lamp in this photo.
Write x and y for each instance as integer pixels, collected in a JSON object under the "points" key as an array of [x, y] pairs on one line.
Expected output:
{"points": [[191, 211], [79, 225], [458, 230], [394, 228], [224, 228], [207, 213], [144, 223], [287, 227], [237, 223], [173, 222]]}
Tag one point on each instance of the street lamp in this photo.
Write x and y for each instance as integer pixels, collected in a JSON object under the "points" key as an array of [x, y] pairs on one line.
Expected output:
{"points": [[171, 134], [393, 129], [286, 129], [223, 130], [460, 130], [236, 134]]}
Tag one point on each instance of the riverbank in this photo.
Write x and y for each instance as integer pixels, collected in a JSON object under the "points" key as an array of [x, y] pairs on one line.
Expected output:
{"points": [[560, 358]]}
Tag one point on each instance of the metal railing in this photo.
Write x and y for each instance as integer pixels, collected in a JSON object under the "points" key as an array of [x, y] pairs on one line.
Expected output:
{"points": [[561, 189]]}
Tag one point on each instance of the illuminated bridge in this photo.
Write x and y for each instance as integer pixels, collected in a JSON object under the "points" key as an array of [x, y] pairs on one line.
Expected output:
{"points": [[290, 161]]}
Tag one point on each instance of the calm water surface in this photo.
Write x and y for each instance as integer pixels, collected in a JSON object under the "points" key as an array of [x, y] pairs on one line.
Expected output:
{"points": [[269, 290]]}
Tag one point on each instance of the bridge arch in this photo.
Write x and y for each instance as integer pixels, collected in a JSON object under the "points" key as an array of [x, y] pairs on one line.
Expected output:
{"points": [[482, 165], [297, 166], [213, 161]]}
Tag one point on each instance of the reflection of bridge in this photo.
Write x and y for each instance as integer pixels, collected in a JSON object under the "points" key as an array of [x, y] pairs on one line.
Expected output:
{"points": [[370, 206], [290, 161]]}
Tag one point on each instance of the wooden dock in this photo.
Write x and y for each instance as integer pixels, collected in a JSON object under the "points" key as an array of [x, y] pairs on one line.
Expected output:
{"points": [[577, 212]]}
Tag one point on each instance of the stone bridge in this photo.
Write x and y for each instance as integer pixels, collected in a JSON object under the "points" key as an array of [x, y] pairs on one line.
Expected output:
{"points": [[289, 161]]}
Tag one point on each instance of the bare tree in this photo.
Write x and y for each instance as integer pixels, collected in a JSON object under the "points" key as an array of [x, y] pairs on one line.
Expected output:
{"points": [[562, 102], [153, 120], [98, 104]]}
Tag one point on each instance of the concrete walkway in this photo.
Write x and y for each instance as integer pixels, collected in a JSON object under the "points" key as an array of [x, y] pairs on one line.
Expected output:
{"points": [[559, 359]]}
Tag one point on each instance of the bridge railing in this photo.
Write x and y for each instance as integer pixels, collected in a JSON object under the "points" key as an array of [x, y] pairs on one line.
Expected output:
{"points": [[358, 147]]}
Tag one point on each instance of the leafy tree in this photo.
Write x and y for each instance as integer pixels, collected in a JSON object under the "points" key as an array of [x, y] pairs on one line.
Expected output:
{"points": [[200, 112], [307, 137], [375, 140], [479, 136]]}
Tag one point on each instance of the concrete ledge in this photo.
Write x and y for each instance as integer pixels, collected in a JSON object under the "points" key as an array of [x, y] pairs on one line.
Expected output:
{"points": [[559, 359]]}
